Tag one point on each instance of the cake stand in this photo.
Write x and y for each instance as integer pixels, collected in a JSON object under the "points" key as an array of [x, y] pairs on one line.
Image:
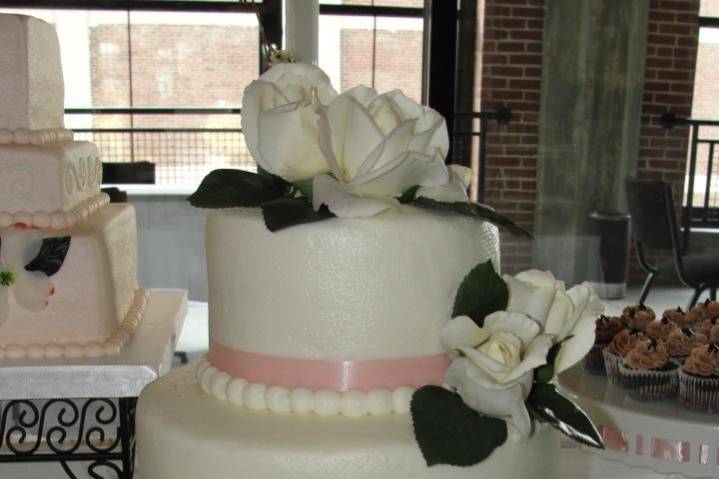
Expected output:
{"points": [[663, 436], [82, 410]]}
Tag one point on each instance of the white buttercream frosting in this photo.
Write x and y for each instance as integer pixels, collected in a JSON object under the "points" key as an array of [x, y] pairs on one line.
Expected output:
{"points": [[56, 220], [183, 433], [346, 289], [32, 91], [276, 399], [94, 349]]}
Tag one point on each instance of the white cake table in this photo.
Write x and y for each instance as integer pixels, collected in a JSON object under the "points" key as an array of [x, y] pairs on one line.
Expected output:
{"points": [[82, 410], [662, 436]]}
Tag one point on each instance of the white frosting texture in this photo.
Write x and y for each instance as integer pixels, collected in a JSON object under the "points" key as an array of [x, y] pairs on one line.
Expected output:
{"points": [[32, 92], [111, 345], [94, 288], [366, 288], [22, 136], [261, 397], [183, 433], [56, 220], [49, 177]]}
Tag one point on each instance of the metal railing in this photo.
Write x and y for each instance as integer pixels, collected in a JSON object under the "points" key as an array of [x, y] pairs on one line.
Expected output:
{"points": [[183, 152], [701, 208]]}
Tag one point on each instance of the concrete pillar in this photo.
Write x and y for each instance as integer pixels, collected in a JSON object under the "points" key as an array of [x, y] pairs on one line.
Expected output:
{"points": [[590, 120]]}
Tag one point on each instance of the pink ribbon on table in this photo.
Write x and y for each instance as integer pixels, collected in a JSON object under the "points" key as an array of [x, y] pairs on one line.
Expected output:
{"points": [[338, 375]]}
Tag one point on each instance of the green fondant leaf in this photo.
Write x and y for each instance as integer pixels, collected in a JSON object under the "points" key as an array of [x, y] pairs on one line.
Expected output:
{"points": [[473, 210], [481, 293], [51, 256], [305, 187], [545, 374], [553, 408], [237, 188], [285, 212], [408, 195], [450, 432]]}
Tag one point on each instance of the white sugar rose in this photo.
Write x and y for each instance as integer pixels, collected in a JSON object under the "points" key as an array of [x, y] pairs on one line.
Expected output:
{"points": [[19, 245], [279, 120], [562, 313], [377, 147], [495, 371]]}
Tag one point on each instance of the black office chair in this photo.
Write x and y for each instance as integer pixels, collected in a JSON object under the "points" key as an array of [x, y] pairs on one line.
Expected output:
{"points": [[654, 225]]}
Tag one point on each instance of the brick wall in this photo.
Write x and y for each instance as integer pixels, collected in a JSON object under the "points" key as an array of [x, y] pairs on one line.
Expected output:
{"points": [[669, 85], [511, 76]]}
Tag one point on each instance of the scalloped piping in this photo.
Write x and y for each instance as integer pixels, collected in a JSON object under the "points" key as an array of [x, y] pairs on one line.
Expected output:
{"points": [[23, 136], [260, 397], [94, 349], [57, 220]]}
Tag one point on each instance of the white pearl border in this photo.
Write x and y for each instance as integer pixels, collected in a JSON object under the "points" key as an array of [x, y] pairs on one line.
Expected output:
{"points": [[57, 220], [23, 136], [93, 349], [326, 402]]}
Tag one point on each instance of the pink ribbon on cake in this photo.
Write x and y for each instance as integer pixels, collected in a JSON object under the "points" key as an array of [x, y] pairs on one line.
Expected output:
{"points": [[338, 375]]}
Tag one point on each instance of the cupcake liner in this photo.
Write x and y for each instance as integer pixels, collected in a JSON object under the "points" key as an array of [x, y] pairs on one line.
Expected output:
{"points": [[611, 363], [594, 360], [679, 360], [699, 392], [651, 384]]}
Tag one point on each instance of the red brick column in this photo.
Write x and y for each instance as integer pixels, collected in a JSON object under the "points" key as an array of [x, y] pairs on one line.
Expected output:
{"points": [[511, 76]]}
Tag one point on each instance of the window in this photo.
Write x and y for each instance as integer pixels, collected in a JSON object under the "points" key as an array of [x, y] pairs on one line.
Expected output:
{"points": [[120, 67], [705, 107]]}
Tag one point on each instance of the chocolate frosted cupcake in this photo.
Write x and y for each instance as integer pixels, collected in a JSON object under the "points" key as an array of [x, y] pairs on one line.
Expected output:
{"points": [[675, 315], [707, 325], [714, 334], [606, 329], [618, 349], [699, 379], [706, 310], [647, 372], [661, 329], [638, 317], [681, 343]]}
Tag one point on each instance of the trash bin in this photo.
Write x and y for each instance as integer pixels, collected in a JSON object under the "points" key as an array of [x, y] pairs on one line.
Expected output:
{"points": [[612, 234]]}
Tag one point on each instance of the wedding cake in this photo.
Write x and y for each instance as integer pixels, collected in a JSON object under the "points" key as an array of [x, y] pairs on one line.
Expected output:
{"points": [[68, 259], [358, 326]]}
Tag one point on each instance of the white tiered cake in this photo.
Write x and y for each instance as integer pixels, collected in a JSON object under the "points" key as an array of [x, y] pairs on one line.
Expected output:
{"points": [[358, 326], [371, 291], [68, 259]]}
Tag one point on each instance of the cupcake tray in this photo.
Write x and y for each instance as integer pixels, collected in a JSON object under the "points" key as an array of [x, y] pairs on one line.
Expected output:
{"points": [[663, 435]]}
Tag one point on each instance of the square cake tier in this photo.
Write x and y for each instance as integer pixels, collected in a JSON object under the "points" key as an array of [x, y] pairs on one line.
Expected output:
{"points": [[93, 290], [48, 178], [32, 92]]}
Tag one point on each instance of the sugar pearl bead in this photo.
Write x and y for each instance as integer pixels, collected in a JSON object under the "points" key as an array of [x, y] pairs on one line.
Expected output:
{"points": [[24, 218], [218, 385], [206, 377], [53, 351], [41, 220], [353, 404], [57, 220], [401, 398], [327, 402], [72, 351], [13, 351], [379, 402], [22, 136], [93, 350], [301, 401], [6, 219], [235, 390], [278, 399], [201, 366], [35, 351], [254, 396]]}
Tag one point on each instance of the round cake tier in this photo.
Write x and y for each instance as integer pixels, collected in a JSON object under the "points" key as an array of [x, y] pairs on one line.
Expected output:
{"points": [[663, 436], [184, 433], [340, 289]]}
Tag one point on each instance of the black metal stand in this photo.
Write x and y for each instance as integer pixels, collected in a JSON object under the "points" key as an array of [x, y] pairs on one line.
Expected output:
{"points": [[99, 432]]}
